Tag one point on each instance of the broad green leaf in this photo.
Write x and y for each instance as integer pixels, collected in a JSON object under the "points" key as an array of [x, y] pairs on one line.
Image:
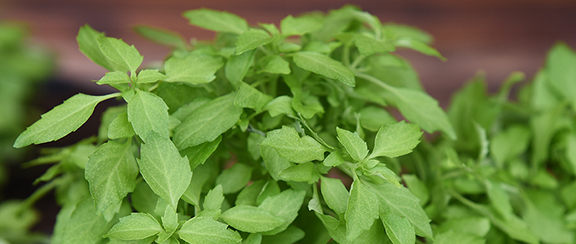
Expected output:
{"points": [[324, 65], [284, 205], [214, 198], [250, 97], [419, 46], [398, 229], [148, 114], [333, 159], [354, 145], [114, 77], [251, 219], [383, 172], [202, 230], [509, 144], [290, 146], [88, 43], [120, 127], [291, 235], [544, 215], [275, 65], [237, 66], [299, 25], [373, 118], [304, 172], [185, 110], [400, 201], [396, 140], [175, 95], [195, 68], [207, 122], [335, 194], [136, 226], [84, 225], [423, 110], [458, 237], [199, 154], [396, 31], [234, 178], [111, 172], [143, 198], [160, 36], [166, 172], [150, 76], [253, 239], [61, 120], [121, 55], [201, 176], [249, 195], [252, 39], [478, 226], [361, 211], [219, 21], [280, 105], [274, 163], [559, 64], [417, 187], [499, 199], [367, 45]]}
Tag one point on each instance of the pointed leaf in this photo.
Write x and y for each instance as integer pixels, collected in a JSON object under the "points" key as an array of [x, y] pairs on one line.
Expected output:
{"points": [[398, 229], [88, 43], [234, 178], [396, 140], [61, 120], [203, 230], [219, 21], [199, 154], [195, 68], [324, 65], [335, 194], [136, 226], [284, 205], [120, 127], [299, 25], [353, 144], [148, 113], [361, 211], [419, 46], [150, 76], [275, 65], [291, 146], [251, 219], [161, 36], [250, 97], [114, 77], [84, 226], [121, 55], [237, 66], [251, 39]]}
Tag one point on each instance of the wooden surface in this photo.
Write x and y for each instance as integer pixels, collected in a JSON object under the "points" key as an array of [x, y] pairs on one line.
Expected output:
{"points": [[495, 36]]}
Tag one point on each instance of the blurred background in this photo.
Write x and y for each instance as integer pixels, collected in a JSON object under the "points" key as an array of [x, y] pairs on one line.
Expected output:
{"points": [[493, 36]]}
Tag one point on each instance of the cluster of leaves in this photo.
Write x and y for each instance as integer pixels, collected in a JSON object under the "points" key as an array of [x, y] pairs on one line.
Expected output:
{"points": [[21, 68], [510, 176]]}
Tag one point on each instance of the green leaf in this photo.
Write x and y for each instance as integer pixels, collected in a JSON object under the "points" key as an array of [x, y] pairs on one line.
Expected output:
{"points": [[237, 66], [458, 237], [545, 217], [417, 187], [280, 105], [214, 198], [207, 122], [150, 76], [84, 225], [423, 110], [136, 226], [571, 151], [324, 65], [161, 36], [361, 211], [88, 43], [250, 97], [396, 140], [114, 77], [499, 199], [166, 172], [121, 55], [194, 68], [219, 21], [203, 230], [373, 118], [275, 65], [478, 226], [354, 145], [274, 163], [367, 45], [299, 25], [509, 144], [253, 239], [304, 172], [284, 205], [289, 145], [234, 178], [400, 201], [148, 114], [383, 172], [61, 120], [333, 159], [251, 219], [120, 127], [291, 235], [335, 194], [199, 154], [559, 64], [419, 46], [396, 31], [111, 172], [252, 39], [398, 229]]}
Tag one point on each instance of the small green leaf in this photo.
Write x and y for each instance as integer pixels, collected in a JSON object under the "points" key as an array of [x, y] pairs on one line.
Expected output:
{"points": [[195, 68], [324, 65], [199, 154], [396, 140], [291, 235], [373, 118], [417, 187], [234, 178], [111, 172], [384, 173], [274, 163], [148, 113], [499, 199], [61, 120], [120, 127], [509, 144], [121, 55], [361, 211], [88, 43], [203, 230], [559, 63], [478, 226], [84, 225], [250, 97], [419, 46], [304, 172], [275, 65], [114, 77], [237, 66], [291, 146], [214, 198], [219, 21], [300, 25], [284, 205], [354, 145], [458, 237], [398, 229], [207, 122], [136, 226], [335, 194], [166, 172], [280, 105], [150, 76], [252, 39], [367, 45], [161, 36], [251, 219], [333, 159]]}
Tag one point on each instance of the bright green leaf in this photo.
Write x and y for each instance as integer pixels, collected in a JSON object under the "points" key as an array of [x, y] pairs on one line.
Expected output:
{"points": [[398, 229], [194, 68], [299, 25], [335, 194], [114, 77], [275, 65], [148, 113], [419, 46], [199, 154], [136, 226], [219, 21], [121, 55], [88, 43], [304, 172], [396, 140], [120, 127], [284, 205], [161, 36], [237, 66], [361, 211], [150, 76], [250, 97], [202, 230], [84, 225], [234, 178], [354, 145], [291, 146], [252, 39], [324, 65], [251, 219]]}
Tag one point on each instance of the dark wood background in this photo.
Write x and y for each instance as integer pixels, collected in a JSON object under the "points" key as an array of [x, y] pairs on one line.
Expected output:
{"points": [[493, 36]]}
